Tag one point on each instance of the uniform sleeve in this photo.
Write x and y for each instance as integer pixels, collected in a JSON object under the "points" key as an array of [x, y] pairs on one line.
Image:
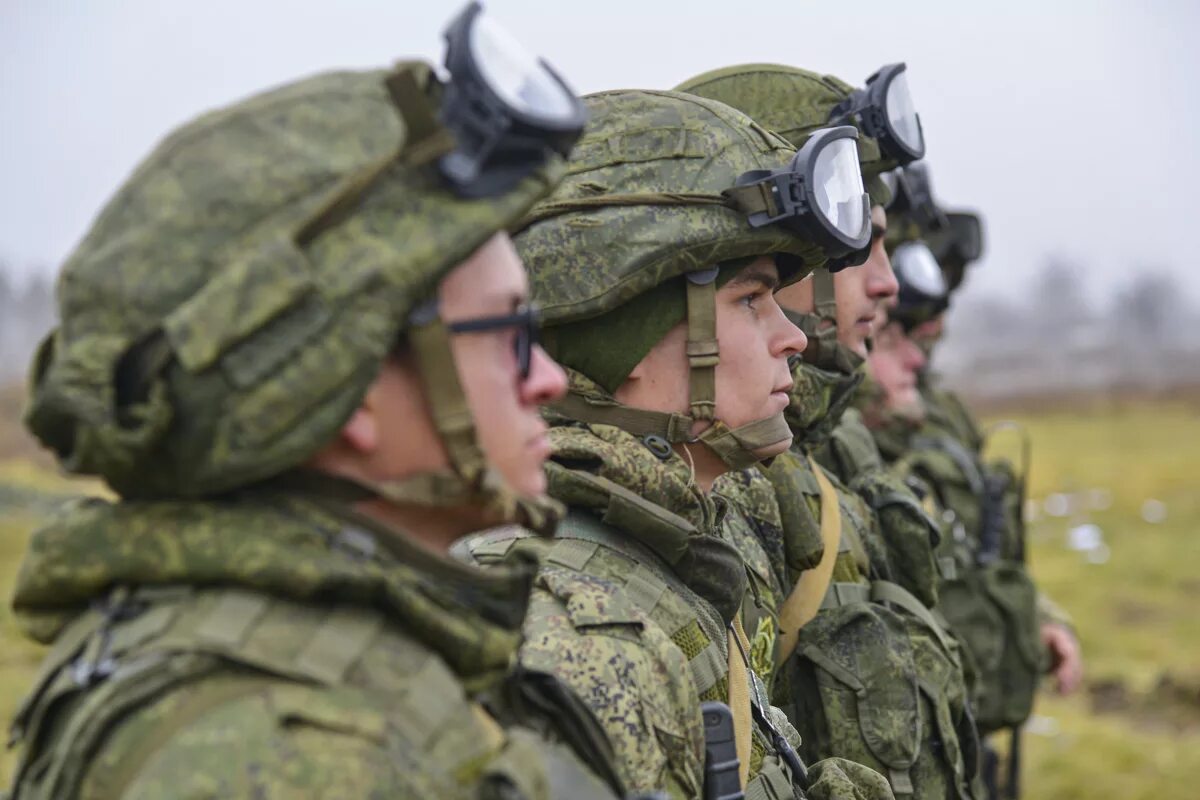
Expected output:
{"points": [[629, 674], [238, 738]]}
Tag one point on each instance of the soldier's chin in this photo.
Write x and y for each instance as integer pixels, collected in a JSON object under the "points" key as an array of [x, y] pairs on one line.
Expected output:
{"points": [[772, 450], [910, 407]]}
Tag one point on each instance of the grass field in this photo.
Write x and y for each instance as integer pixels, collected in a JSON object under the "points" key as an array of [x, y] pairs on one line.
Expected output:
{"points": [[1132, 733]]}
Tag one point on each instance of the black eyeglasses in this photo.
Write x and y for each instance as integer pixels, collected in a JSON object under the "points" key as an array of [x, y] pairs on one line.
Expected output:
{"points": [[526, 319]]}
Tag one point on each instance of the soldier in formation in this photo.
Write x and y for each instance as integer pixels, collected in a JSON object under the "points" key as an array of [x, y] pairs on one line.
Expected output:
{"points": [[370, 540]]}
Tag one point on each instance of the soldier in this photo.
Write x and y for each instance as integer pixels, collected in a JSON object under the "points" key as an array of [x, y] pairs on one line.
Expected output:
{"points": [[655, 261], [297, 344], [866, 669], [1011, 631]]}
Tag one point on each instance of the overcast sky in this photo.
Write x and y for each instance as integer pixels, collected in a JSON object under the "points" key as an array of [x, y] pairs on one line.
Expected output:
{"points": [[1072, 125]]}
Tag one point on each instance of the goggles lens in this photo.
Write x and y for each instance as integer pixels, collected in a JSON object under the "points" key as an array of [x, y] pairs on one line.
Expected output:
{"points": [[902, 114], [515, 75], [838, 186], [918, 270], [967, 233]]}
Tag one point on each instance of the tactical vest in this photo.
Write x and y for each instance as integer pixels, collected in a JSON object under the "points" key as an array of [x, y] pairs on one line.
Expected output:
{"points": [[584, 544], [875, 677], [986, 592], [344, 668]]}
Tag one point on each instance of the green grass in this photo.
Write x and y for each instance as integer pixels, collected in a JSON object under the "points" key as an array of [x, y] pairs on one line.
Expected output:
{"points": [[1134, 731], [1127, 734]]}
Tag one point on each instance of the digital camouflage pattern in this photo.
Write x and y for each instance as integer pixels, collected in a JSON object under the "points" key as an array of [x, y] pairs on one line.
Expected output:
{"points": [[223, 317], [276, 644], [641, 203], [230, 305], [794, 103], [990, 600], [875, 678], [631, 610]]}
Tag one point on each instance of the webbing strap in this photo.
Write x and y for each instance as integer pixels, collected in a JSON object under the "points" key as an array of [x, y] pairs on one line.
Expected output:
{"points": [[755, 198], [824, 296], [702, 350], [806, 596], [341, 639], [961, 457], [447, 402], [739, 696], [888, 592], [845, 594], [426, 138], [640, 422]]}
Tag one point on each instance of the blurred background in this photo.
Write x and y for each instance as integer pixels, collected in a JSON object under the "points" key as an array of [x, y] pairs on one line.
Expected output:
{"points": [[1072, 127]]}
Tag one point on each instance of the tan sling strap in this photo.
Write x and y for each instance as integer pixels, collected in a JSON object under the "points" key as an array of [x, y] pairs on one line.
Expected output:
{"points": [[739, 696], [805, 600]]}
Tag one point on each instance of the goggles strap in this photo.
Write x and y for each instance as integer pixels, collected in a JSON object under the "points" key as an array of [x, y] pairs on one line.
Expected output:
{"points": [[702, 350], [425, 138], [755, 198], [824, 296]]}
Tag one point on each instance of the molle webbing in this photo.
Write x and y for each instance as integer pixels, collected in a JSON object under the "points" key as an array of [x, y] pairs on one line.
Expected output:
{"points": [[701, 636], [143, 643], [805, 599], [717, 659]]}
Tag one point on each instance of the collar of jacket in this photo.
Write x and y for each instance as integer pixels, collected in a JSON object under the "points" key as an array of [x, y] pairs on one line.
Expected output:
{"points": [[297, 538], [650, 495]]}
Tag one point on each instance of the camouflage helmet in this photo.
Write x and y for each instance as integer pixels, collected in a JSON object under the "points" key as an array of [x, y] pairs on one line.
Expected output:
{"points": [[794, 103], [641, 206], [230, 306]]}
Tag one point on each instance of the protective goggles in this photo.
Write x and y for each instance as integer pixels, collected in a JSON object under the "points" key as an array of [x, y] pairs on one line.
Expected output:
{"points": [[506, 108], [885, 111], [912, 196], [526, 319], [820, 194], [964, 236], [923, 289]]}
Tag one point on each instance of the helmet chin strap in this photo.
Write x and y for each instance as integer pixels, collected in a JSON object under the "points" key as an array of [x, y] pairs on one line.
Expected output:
{"points": [[470, 480], [737, 447]]}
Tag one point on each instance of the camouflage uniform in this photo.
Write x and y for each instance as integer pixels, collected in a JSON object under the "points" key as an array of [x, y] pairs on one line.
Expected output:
{"points": [[987, 593], [636, 606], [231, 627], [874, 676]]}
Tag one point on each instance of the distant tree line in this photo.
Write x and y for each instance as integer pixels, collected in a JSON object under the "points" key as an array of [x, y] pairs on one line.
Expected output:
{"points": [[1052, 337], [1055, 336]]}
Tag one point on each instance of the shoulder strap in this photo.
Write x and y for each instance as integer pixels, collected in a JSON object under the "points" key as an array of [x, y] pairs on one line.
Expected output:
{"points": [[962, 458], [805, 599], [739, 696]]}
